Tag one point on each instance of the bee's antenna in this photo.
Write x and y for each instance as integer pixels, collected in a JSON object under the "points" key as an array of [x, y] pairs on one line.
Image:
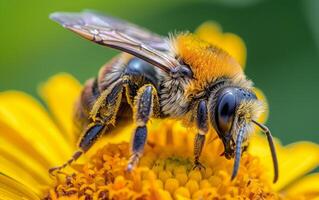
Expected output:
{"points": [[272, 148], [239, 141]]}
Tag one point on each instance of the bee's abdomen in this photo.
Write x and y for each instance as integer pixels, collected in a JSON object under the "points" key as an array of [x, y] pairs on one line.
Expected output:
{"points": [[89, 95], [112, 71], [92, 89]]}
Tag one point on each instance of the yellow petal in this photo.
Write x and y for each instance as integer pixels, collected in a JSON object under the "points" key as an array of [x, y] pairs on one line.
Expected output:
{"points": [[308, 185], [211, 32], [13, 190], [60, 93], [295, 160], [17, 155], [24, 122], [20, 174]]}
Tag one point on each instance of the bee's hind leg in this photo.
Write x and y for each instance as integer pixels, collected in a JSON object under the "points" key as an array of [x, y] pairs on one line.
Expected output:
{"points": [[106, 108], [143, 108], [91, 134], [202, 125]]}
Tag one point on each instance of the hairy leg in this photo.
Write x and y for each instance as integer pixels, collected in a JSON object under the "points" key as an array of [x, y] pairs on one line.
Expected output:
{"points": [[202, 125], [102, 116], [144, 104]]}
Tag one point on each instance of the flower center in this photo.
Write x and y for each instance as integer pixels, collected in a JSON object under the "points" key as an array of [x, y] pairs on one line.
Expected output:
{"points": [[164, 172]]}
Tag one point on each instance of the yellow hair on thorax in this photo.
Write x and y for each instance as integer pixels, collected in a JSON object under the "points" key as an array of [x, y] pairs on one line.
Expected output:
{"points": [[207, 62]]}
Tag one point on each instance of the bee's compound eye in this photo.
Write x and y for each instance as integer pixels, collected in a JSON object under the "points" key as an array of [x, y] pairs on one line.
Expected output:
{"points": [[226, 106]]}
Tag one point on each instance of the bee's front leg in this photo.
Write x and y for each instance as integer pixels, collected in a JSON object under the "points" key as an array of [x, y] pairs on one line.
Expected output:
{"points": [[202, 125], [143, 108]]}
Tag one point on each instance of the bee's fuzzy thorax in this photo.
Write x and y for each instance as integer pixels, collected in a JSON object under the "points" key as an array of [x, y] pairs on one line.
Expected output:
{"points": [[207, 62]]}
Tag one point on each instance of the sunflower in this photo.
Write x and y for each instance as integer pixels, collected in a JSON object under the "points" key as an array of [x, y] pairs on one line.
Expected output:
{"points": [[33, 140]]}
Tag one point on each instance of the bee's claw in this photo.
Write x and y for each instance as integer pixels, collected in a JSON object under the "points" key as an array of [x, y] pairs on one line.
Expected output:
{"points": [[129, 167], [132, 162], [54, 171], [198, 165]]}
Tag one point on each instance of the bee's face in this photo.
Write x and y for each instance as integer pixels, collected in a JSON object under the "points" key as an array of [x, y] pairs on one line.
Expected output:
{"points": [[229, 113]]}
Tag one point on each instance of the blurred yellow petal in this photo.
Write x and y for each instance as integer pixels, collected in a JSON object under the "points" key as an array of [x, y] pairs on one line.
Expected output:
{"points": [[13, 190], [19, 157], [294, 160], [10, 135], [24, 122], [60, 93], [18, 173], [261, 96], [211, 32], [308, 185], [298, 159]]}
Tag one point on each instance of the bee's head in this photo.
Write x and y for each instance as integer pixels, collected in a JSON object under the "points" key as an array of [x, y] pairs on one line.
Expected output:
{"points": [[234, 110]]}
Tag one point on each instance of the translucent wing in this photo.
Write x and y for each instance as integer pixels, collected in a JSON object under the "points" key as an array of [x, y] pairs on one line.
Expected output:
{"points": [[141, 34], [121, 35]]}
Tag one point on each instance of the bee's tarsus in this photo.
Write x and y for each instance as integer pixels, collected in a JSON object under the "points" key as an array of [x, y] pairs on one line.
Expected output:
{"points": [[198, 165], [53, 171], [56, 170], [133, 161]]}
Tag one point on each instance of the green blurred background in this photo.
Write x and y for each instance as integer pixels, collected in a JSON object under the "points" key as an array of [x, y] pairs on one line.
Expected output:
{"points": [[282, 39]]}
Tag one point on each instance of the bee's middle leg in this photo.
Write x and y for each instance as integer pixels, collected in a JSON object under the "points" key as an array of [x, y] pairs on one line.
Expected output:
{"points": [[202, 125], [143, 108]]}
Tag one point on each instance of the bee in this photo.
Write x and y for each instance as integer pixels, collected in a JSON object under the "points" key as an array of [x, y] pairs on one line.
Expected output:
{"points": [[179, 77]]}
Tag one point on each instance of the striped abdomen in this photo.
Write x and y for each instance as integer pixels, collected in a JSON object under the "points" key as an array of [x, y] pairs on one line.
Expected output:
{"points": [[93, 88]]}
